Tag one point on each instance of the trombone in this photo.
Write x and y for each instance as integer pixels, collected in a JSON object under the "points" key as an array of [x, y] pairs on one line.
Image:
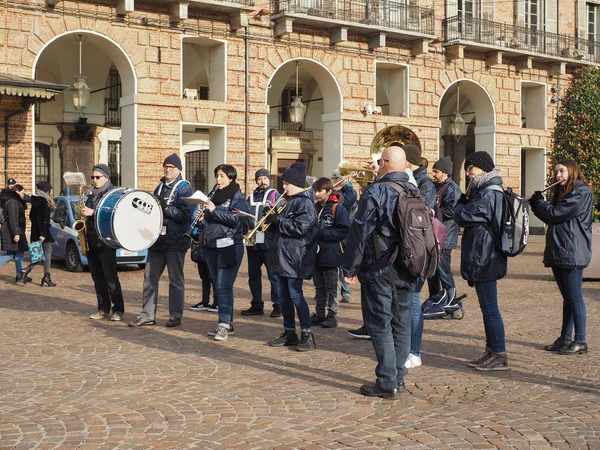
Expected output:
{"points": [[250, 236], [361, 175]]}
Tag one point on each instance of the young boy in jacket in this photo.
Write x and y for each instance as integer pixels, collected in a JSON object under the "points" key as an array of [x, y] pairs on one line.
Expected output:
{"points": [[293, 256], [333, 225]]}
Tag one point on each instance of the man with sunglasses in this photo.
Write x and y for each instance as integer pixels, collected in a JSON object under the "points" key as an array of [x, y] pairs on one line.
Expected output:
{"points": [[102, 260], [170, 248]]}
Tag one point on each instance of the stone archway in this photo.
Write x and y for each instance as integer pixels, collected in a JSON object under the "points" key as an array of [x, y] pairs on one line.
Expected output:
{"points": [[477, 109], [58, 60], [324, 110]]}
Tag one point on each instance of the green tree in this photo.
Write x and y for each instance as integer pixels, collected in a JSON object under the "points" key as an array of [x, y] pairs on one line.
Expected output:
{"points": [[576, 134]]}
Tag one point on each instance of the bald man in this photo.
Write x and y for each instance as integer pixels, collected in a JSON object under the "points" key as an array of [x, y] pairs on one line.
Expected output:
{"points": [[385, 290]]}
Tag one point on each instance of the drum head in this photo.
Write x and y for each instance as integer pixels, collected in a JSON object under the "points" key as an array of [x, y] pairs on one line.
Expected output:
{"points": [[137, 220]]}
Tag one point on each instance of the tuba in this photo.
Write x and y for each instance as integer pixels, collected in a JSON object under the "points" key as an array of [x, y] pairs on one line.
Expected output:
{"points": [[393, 134], [80, 227]]}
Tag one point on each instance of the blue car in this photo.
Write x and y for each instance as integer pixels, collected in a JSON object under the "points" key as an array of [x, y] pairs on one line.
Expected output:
{"points": [[66, 245]]}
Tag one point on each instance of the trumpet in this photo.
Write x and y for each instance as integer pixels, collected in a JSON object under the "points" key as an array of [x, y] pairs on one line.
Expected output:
{"points": [[250, 236], [361, 175], [190, 232]]}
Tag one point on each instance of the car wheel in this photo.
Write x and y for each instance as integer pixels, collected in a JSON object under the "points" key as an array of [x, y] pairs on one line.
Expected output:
{"points": [[142, 266], [72, 260]]}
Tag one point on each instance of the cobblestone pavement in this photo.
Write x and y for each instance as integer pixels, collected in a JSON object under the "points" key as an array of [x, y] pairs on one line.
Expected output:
{"points": [[69, 382]]}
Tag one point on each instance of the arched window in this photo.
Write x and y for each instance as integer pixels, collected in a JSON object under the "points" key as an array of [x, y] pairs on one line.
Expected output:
{"points": [[112, 111]]}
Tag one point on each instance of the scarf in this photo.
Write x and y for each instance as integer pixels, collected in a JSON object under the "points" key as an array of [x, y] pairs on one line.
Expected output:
{"points": [[224, 194], [40, 193], [480, 180], [98, 192]]}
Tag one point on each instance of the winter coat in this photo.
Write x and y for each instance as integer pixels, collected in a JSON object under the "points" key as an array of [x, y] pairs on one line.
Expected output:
{"points": [[332, 231], [40, 219], [569, 235], [14, 209], [294, 250], [94, 241], [450, 193], [426, 187], [176, 216], [255, 206], [222, 223], [481, 217], [374, 232]]}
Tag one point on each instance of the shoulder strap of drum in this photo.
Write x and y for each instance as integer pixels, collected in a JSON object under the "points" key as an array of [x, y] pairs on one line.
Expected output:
{"points": [[174, 190]]}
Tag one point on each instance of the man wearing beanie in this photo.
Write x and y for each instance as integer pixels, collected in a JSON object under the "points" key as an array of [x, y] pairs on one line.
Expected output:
{"points": [[448, 193], [102, 260], [258, 254], [479, 212], [293, 257], [170, 248]]}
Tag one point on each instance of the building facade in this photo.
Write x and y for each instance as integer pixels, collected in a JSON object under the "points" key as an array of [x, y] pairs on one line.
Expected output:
{"points": [[215, 81]]}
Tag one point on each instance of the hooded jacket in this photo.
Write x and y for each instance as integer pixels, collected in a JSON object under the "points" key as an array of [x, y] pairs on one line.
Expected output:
{"points": [[14, 208], [294, 249], [176, 216], [447, 202], [222, 223], [40, 219], [569, 235], [481, 217], [332, 231], [366, 252], [426, 187]]}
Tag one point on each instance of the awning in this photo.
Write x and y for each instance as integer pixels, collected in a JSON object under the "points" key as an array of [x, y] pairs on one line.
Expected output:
{"points": [[26, 87]]}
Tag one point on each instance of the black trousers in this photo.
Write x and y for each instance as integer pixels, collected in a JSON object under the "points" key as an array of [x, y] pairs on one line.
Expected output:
{"points": [[103, 267]]}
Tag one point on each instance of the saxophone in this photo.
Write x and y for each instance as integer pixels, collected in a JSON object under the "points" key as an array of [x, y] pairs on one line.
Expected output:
{"points": [[80, 227]]}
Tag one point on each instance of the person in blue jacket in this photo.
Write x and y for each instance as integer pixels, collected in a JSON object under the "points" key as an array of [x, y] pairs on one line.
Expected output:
{"points": [[479, 212], [568, 249], [224, 244], [333, 224], [293, 257], [170, 248]]}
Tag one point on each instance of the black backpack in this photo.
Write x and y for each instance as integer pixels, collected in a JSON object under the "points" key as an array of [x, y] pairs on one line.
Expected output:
{"points": [[515, 223], [417, 251]]}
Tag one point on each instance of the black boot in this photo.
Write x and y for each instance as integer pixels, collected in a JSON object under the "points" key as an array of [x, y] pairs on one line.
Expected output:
{"points": [[21, 279], [47, 280]]}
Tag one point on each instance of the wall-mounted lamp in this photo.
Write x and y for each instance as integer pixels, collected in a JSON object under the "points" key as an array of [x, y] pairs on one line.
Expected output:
{"points": [[458, 126], [367, 108], [297, 108]]}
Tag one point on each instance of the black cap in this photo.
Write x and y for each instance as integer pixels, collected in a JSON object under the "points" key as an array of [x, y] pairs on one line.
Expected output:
{"points": [[483, 160], [11, 181]]}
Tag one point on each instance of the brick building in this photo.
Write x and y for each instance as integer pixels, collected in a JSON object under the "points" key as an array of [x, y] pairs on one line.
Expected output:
{"points": [[213, 80]]}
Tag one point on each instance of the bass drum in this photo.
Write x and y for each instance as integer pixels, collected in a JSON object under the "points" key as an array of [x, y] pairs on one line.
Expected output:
{"points": [[129, 219]]}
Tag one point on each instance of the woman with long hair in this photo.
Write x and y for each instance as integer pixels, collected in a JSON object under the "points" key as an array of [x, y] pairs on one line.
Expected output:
{"points": [[14, 240], [223, 244], [568, 249], [42, 205]]}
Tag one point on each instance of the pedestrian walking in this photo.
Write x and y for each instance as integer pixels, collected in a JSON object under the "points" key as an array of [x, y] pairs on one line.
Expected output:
{"points": [[14, 240]]}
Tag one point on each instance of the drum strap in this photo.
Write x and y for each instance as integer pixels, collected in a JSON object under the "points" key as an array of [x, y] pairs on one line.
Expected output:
{"points": [[260, 203], [173, 191]]}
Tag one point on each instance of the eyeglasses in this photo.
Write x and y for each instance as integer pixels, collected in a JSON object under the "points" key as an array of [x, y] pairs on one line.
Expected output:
{"points": [[469, 168], [382, 159], [168, 167], [96, 177]]}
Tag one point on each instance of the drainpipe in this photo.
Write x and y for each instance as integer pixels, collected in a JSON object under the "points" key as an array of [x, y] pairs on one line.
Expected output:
{"points": [[246, 112], [6, 119]]}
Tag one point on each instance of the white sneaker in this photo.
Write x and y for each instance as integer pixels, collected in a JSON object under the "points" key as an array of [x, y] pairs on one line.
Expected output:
{"points": [[221, 334], [413, 361]]}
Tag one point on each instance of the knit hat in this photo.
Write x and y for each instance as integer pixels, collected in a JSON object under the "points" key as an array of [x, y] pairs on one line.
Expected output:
{"points": [[413, 154], [11, 181], [296, 174], [261, 173], [174, 160], [103, 169], [445, 165], [483, 160], [336, 174], [44, 186]]}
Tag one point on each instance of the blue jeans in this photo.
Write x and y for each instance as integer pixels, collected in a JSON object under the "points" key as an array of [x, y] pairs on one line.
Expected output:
{"points": [[387, 316], [443, 278], [291, 296], [416, 324], [574, 313], [17, 256], [487, 292], [256, 259], [223, 279], [344, 287]]}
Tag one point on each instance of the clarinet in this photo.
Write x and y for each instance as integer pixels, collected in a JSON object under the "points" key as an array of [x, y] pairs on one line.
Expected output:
{"points": [[199, 213]]}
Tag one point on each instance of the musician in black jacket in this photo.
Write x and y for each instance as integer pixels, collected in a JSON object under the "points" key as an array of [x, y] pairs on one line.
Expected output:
{"points": [[102, 260]]}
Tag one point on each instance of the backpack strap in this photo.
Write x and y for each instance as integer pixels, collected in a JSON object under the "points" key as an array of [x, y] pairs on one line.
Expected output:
{"points": [[488, 227], [333, 207], [439, 202]]}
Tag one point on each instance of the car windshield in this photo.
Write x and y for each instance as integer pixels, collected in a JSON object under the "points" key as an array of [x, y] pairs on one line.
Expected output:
{"points": [[76, 210]]}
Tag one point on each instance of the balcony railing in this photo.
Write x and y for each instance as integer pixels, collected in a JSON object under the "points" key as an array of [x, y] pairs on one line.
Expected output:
{"points": [[520, 38], [378, 13]]}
